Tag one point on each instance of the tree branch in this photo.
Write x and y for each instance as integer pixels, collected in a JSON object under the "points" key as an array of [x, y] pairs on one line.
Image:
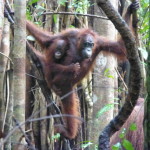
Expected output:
{"points": [[37, 67], [76, 14], [135, 80]]}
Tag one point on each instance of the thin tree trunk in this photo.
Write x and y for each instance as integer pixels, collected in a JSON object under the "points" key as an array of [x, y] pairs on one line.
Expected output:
{"points": [[1, 65], [19, 52], [5, 49], [104, 78], [1, 18]]}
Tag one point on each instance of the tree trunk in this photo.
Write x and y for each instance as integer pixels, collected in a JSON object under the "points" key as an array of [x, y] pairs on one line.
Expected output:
{"points": [[1, 64], [19, 52], [104, 78], [4, 61], [1, 18]]}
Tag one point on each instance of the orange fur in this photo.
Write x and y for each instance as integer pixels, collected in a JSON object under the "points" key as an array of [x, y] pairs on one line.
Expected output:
{"points": [[135, 137], [64, 74], [70, 129]]}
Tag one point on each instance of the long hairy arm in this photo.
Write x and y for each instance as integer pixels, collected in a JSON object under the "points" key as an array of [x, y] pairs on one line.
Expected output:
{"points": [[117, 47], [41, 36]]}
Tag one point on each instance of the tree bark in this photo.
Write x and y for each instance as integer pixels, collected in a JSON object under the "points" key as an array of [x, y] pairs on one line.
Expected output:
{"points": [[1, 18], [1, 65], [104, 77], [19, 53]]}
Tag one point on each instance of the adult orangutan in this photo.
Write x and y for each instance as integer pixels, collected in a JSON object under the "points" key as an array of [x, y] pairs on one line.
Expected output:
{"points": [[79, 47], [135, 137]]}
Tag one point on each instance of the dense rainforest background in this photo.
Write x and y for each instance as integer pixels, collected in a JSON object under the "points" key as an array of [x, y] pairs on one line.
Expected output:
{"points": [[114, 98]]}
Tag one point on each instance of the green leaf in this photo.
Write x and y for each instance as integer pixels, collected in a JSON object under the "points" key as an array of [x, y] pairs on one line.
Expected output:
{"points": [[105, 109], [37, 23], [55, 18], [28, 14], [133, 127], [71, 26], [39, 10], [57, 136], [108, 74], [83, 142], [86, 145], [122, 133], [127, 145], [117, 146]]}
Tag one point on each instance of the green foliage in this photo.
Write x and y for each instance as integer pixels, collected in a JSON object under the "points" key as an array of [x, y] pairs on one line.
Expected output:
{"points": [[28, 14], [108, 74], [36, 9], [80, 6], [133, 127], [71, 26], [127, 145], [144, 13], [55, 17], [124, 142], [56, 136], [39, 10], [86, 144], [122, 133], [117, 146], [105, 109]]}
